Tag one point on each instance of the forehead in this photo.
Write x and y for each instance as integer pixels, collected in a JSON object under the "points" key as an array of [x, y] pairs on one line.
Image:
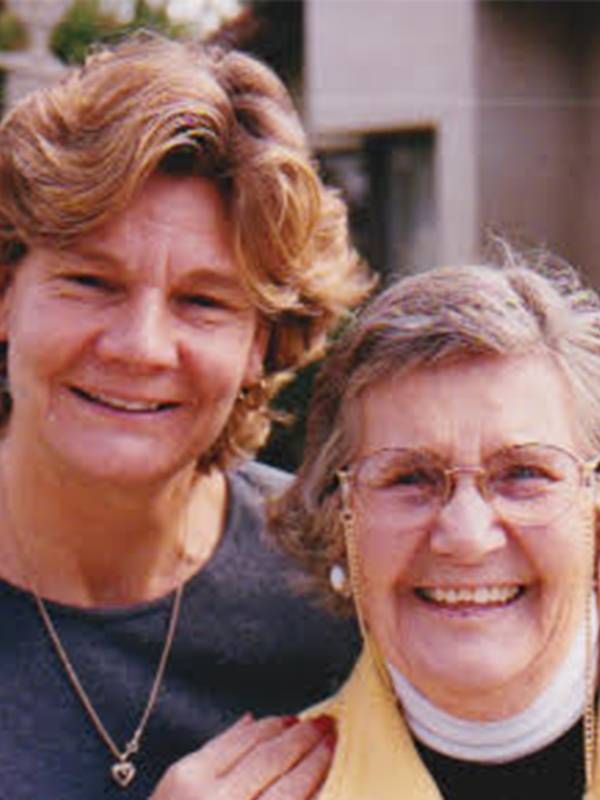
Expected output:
{"points": [[184, 199], [172, 217], [467, 409]]}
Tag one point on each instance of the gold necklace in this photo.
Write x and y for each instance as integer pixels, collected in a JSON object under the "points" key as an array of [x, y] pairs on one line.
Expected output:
{"points": [[123, 770]]}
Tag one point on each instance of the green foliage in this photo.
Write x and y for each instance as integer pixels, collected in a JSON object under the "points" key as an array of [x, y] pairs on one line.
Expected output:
{"points": [[13, 33], [2, 90], [286, 442], [285, 446], [85, 23], [156, 19], [279, 36]]}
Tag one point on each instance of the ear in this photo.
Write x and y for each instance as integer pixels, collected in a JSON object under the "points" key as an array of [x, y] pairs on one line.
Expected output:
{"points": [[256, 355]]}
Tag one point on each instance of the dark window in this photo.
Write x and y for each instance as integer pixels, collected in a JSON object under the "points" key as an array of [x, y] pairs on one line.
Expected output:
{"points": [[387, 181]]}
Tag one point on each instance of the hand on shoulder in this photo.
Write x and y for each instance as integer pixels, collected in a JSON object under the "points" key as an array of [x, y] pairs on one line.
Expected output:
{"points": [[271, 759]]}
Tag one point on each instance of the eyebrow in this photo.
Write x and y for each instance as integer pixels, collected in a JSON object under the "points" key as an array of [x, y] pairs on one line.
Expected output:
{"points": [[201, 275], [102, 258], [208, 277]]}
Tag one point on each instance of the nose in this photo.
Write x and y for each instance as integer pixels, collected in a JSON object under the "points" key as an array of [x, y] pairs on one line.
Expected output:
{"points": [[140, 334], [467, 528]]}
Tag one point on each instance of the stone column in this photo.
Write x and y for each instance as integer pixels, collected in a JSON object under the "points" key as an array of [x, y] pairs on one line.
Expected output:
{"points": [[35, 67]]}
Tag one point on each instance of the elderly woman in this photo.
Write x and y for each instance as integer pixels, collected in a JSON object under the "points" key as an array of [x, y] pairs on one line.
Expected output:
{"points": [[448, 497], [169, 255]]}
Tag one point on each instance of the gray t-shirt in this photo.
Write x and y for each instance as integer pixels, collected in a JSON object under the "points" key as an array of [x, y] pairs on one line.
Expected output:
{"points": [[244, 641]]}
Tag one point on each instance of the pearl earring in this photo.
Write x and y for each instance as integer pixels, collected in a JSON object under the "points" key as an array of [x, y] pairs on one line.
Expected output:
{"points": [[338, 580]]}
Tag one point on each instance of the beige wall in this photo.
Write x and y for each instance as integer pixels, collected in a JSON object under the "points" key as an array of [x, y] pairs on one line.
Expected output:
{"points": [[511, 89], [392, 65], [35, 67], [587, 222], [532, 122]]}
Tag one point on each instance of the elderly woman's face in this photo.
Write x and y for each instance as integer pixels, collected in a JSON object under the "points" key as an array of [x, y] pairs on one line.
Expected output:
{"points": [[476, 609], [127, 352]]}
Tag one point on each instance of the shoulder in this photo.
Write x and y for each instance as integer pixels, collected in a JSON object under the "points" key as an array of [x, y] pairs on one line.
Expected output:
{"points": [[260, 479], [251, 487], [263, 617]]}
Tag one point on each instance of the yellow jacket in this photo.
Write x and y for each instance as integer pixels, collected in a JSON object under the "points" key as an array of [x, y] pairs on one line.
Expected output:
{"points": [[375, 757]]}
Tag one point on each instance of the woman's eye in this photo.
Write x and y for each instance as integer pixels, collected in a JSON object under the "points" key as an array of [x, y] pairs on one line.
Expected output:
{"points": [[525, 472], [523, 480], [90, 281], [418, 480], [201, 301], [414, 478]]}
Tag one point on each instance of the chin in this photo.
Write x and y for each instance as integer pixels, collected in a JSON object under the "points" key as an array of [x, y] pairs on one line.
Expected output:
{"points": [[131, 464], [471, 680], [443, 666]]}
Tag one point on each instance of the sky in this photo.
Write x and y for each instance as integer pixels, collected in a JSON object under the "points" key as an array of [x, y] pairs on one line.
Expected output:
{"points": [[206, 14]]}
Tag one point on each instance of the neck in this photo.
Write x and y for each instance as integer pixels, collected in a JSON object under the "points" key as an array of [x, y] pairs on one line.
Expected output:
{"points": [[86, 544]]}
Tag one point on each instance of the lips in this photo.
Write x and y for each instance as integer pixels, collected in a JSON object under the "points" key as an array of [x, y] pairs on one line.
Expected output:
{"points": [[132, 406], [482, 596]]}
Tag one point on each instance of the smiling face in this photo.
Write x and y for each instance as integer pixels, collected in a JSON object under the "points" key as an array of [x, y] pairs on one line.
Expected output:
{"points": [[475, 611], [127, 352]]}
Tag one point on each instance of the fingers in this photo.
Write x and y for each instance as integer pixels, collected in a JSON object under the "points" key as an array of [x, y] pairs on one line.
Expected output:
{"points": [[305, 779], [184, 779], [273, 758], [222, 752], [281, 756]]}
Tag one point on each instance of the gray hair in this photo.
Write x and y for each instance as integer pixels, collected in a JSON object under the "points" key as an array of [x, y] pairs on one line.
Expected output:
{"points": [[444, 315]]}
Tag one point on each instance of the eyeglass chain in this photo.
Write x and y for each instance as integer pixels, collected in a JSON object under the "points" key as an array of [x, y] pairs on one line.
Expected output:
{"points": [[354, 579], [590, 731]]}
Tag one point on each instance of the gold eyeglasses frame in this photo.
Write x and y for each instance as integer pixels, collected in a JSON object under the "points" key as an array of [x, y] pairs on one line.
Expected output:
{"points": [[587, 469]]}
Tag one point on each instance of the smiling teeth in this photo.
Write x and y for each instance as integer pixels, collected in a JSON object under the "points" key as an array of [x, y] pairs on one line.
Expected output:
{"points": [[482, 595], [126, 405]]}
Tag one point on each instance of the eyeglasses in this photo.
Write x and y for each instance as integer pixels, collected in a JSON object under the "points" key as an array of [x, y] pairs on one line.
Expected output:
{"points": [[529, 484]]}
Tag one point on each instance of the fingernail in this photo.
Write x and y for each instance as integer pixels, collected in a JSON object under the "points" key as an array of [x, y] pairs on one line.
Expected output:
{"points": [[324, 724], [289, 720], [330, 740]]}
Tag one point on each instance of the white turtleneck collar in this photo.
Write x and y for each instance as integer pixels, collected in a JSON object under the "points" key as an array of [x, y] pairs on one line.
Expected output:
{"points": [[551, 714]]}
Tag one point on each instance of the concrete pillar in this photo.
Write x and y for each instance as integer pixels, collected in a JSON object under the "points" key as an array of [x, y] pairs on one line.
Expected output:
{"points": [[36, 66]]}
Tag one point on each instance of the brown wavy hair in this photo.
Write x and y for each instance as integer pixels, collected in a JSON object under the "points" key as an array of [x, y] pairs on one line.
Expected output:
{"points": [[507, 308], [73, 156]]}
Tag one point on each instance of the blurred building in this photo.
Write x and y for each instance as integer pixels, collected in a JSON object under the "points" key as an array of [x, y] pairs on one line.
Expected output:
{"points": [[447, 119], [442, 120], [35, 66]]}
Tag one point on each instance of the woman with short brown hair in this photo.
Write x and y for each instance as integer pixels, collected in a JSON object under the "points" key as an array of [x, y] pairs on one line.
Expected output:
{"points": [[169, 257]]}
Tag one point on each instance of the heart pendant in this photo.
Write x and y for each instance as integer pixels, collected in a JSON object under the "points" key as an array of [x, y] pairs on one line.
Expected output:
{"points": [[123, 773]]}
